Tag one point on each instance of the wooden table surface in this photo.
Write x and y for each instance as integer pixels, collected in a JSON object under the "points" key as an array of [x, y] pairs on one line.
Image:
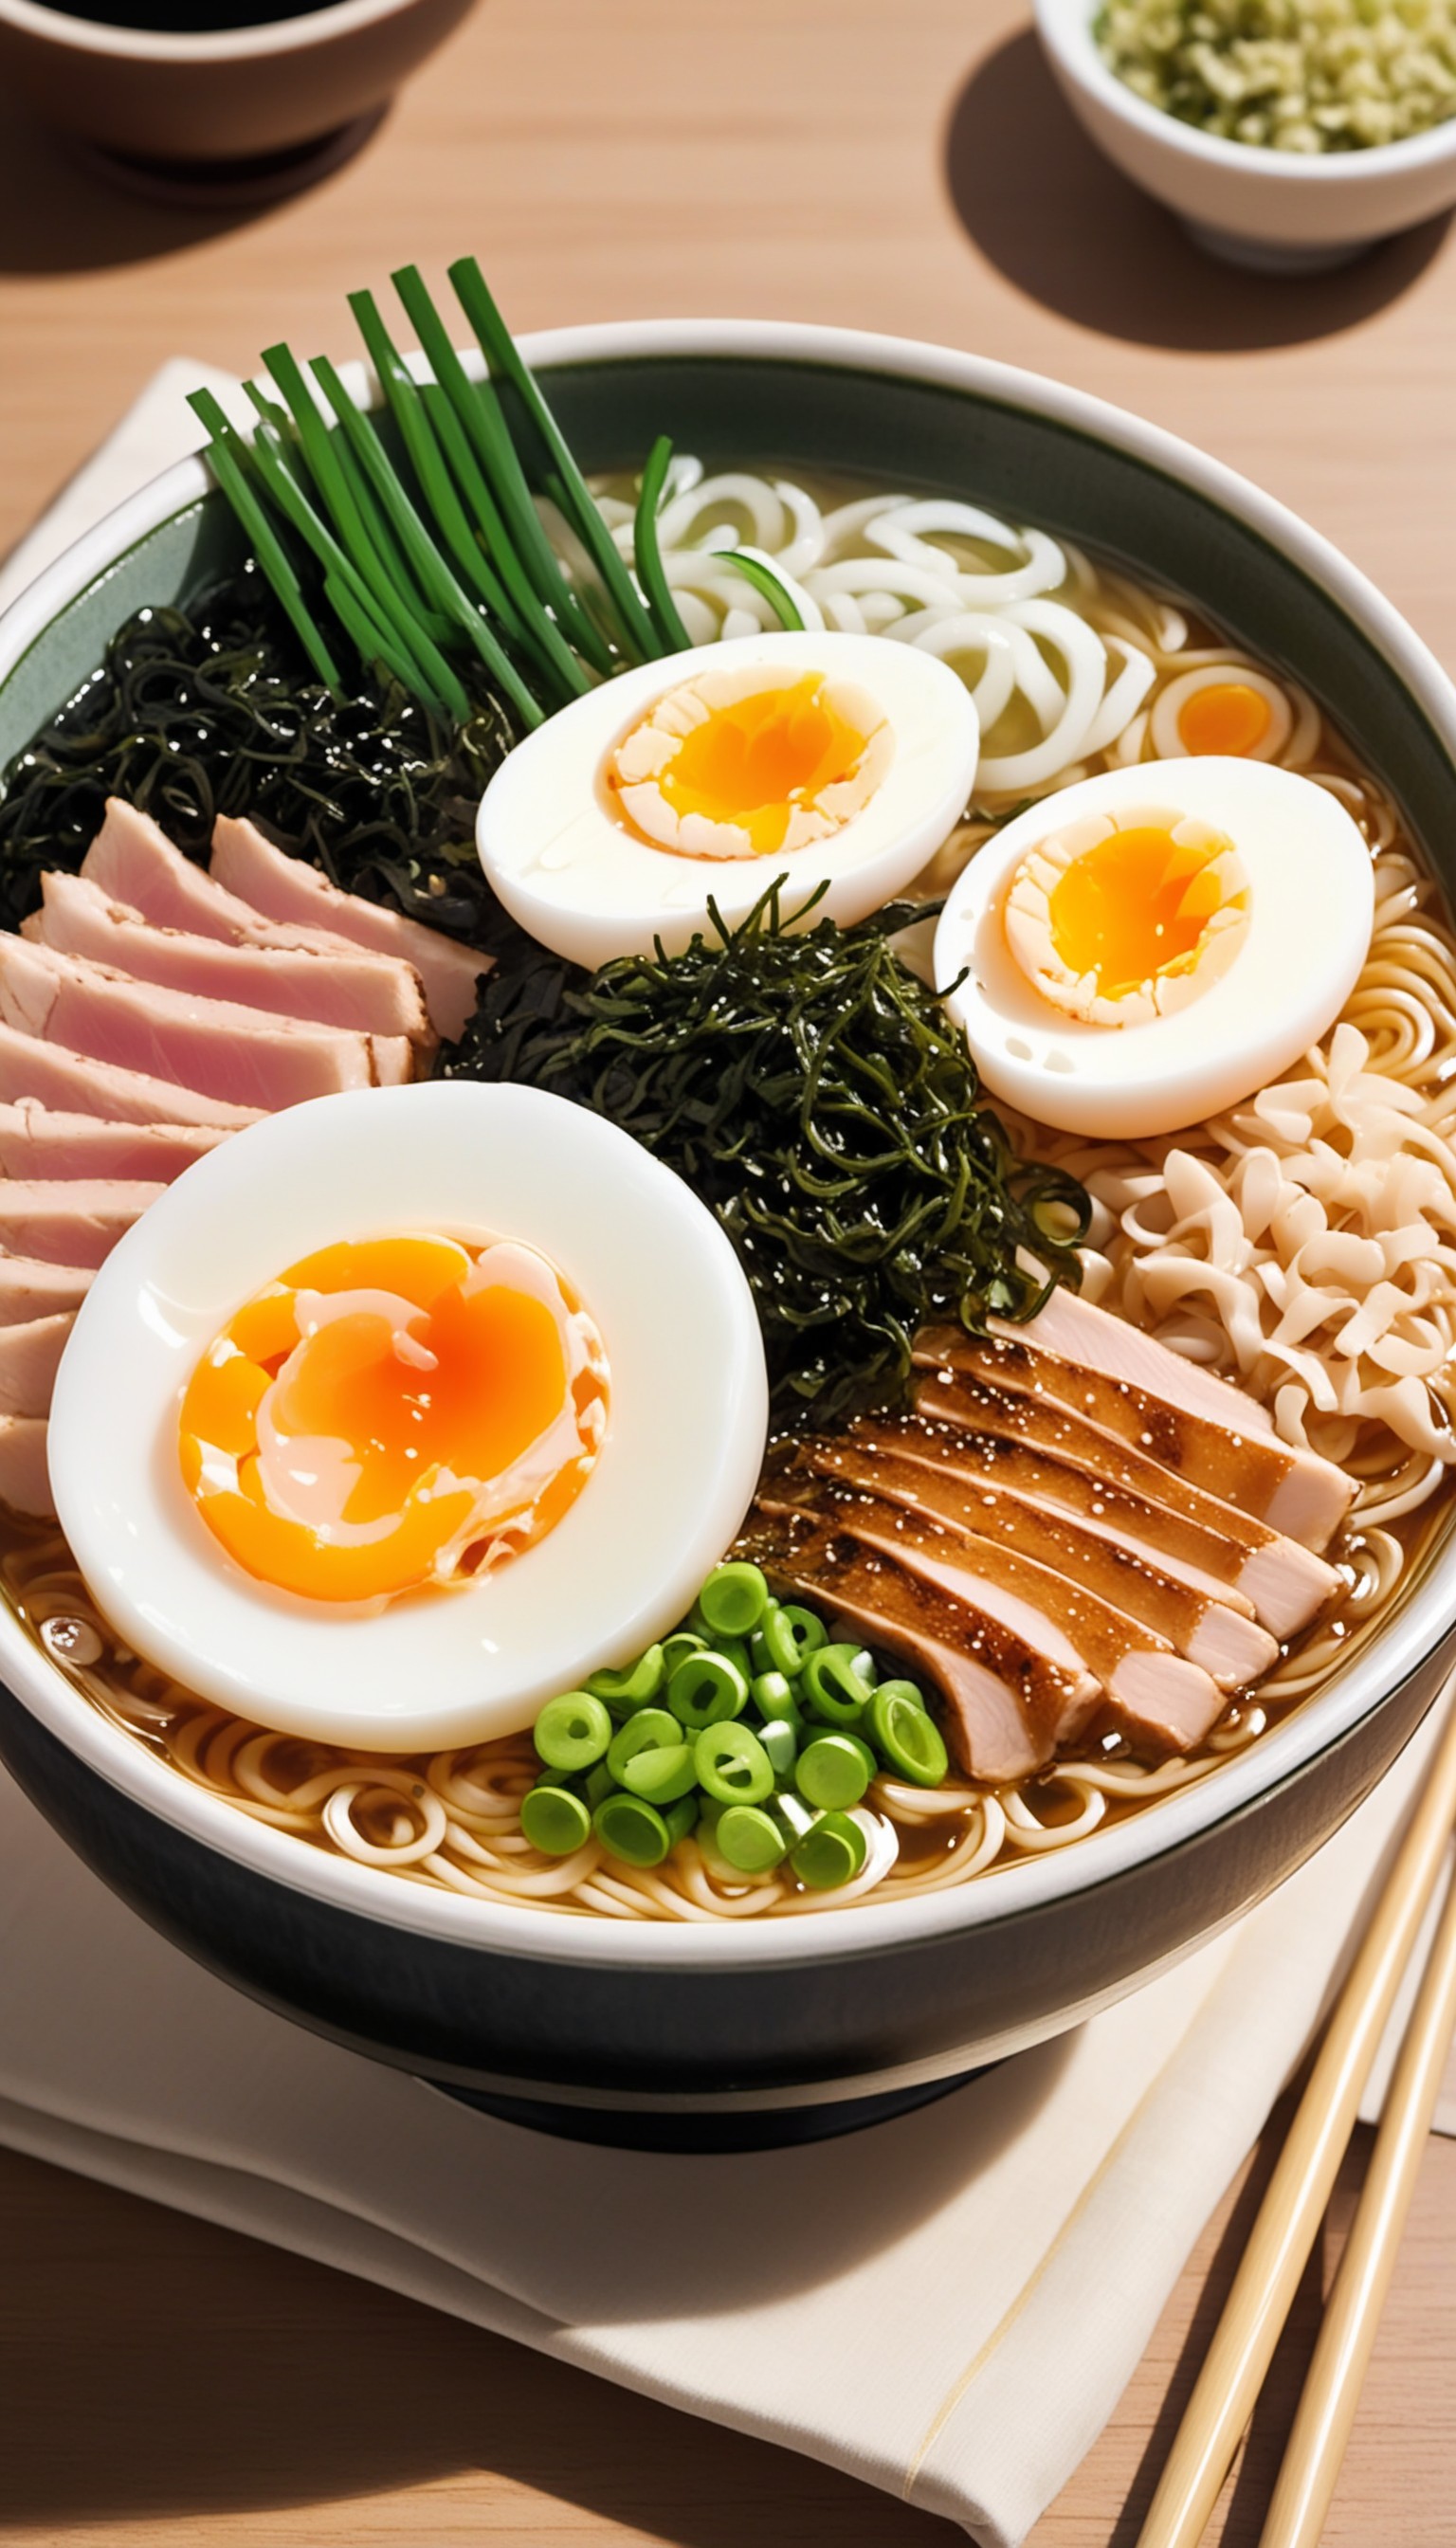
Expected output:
{"points": [[904, 168]]}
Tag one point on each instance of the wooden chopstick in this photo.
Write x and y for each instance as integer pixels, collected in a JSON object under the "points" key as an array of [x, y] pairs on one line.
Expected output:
{"points": [[1289, 2217], [1341, 2357]]}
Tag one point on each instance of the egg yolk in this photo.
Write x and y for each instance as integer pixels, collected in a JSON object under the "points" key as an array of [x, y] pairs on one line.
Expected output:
{"points": [[394, 1414], [1229, 718], [1132, 907], [753, 762], [743, 764]]}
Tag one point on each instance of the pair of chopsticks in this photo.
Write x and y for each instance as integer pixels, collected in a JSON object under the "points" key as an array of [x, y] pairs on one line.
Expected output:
{"points": [[1288, 2217]]}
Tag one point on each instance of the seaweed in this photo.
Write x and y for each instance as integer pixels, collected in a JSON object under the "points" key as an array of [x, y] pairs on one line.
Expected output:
{"points": [[208, 709], [812, 1092]]}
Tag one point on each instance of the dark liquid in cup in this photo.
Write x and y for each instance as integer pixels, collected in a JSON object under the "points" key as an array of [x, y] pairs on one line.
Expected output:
{"points": [[190, 16]]}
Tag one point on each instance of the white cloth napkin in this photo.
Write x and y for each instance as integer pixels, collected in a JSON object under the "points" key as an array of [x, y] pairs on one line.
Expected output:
{"points": [[948, 2307]]}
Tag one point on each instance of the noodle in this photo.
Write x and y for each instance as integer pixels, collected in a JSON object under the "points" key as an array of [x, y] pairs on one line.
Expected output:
{"points": [[1303, 1244]]}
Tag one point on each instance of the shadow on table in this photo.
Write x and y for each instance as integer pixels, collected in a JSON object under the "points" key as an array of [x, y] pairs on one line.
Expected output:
{"points": [[1248, 2500], [157, 2368], [1063, 225], [60, 215]]}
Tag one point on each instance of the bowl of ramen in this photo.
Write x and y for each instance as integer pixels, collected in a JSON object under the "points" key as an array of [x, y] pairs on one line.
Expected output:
{"points": [[729, 1278]]}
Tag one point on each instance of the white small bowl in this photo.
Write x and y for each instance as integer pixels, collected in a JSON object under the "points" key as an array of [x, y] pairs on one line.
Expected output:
{"points": [[1272, 209]]}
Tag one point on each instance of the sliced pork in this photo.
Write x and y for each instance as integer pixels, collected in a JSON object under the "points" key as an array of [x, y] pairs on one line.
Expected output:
{"points": [[37, 1142], [1223, 1640], [29, 1355], [1090, 1473], [75, 1223], [284, 889], [1293, 1491], [133, 862], [25, 1480], [1007, 1708], [337, 987], [1153, 1693], [76, 1084], [31, 1289], [238, 1056]]}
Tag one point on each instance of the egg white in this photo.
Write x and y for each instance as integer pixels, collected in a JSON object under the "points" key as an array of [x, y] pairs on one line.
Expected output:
{"points": [[686, 1417], [572, 873], [1312, 902]]}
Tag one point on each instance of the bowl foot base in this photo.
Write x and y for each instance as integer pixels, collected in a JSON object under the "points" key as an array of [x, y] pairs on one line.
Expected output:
{"points": [[699, 2133], [232, 184], [1267, 256]]}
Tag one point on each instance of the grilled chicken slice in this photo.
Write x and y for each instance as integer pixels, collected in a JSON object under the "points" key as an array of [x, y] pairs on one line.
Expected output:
{"points": [[74, 1223], [24, 1479], [30, 1288], [347, 987], [284, 889], [1076, 1331], [1007, 1707], [1218, 1634], [36, 1142], [76, 1084], [1155, 1695], [238, 1056], [1295, 1492], [29, 1355], [1086, 1472]]}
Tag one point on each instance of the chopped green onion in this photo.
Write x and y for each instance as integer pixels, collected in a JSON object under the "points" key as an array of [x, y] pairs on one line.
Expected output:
{"points": [[906, 1737], [706, 1688], [830, 1771], [781, 1739], [681, 1643], [634, 1688], [832, 1853], [836, 1688], [734, 1599], [749, 1840], [662, 1772], [553, 1821], [573, 1731], [733, 1765], [772, 1695], [632, 1830], [650, 1729]]}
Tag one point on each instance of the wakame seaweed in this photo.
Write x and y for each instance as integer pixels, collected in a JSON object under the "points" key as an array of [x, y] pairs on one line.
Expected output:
{"points": [[208, 710], [808, 1087]]}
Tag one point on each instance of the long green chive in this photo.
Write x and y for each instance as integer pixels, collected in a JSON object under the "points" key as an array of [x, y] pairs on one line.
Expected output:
{"points": [[377, 645], [438, 487], [648, 553], [387, 547], [763, 578], [501, 352], [429, 565], [525, 613], [272, 557], [433, 675], [322, 480], [479, 411]]}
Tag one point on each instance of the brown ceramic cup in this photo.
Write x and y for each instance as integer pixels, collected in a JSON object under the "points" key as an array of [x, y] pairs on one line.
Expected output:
{"points": [[248, 103]]}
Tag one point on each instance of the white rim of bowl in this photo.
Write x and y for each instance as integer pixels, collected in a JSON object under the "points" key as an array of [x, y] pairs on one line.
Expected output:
{"points": [[1313, 1727], [229, 44], [1065, 28]]}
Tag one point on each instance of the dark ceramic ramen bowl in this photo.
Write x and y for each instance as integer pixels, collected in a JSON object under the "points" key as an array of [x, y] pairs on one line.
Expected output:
{"points": [[718, 2037]]}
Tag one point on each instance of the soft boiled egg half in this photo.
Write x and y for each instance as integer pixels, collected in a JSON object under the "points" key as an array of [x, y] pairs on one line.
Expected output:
{"points": [[401, 1411], [821, 758], [1151, 945]]}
